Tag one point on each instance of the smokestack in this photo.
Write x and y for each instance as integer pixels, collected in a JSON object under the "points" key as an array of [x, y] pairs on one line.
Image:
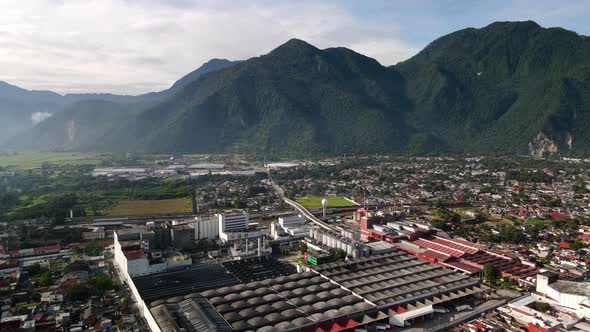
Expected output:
{"points": [[259, 249]]}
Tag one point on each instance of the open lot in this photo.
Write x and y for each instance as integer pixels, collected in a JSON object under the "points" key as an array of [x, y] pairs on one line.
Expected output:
{"points": [[316, 201], [161, 206], [28, 160]]}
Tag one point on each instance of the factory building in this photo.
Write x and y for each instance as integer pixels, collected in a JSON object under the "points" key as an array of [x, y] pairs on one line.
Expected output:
{"points": [[131, 256], [568, 294], [389, 289], [292, 221], [206, 229], [469, 258], [182, 236], [332, 240], [236, 227], [233, 222]]}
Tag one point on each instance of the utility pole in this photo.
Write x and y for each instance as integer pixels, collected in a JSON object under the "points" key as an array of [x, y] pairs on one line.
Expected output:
{"points": [[198, 212]]}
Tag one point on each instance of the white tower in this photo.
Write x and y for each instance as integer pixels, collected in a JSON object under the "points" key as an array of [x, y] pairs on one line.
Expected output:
{"points": [[324, 204]]}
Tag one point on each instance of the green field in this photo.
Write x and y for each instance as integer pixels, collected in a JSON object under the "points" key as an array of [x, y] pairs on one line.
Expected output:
{"points": [[28, 160], [161, 206], [316, 201]]}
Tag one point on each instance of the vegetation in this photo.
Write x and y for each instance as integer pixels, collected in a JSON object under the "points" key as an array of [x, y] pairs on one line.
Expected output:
{"points": [[93, 249], [95, 286], [495, 90], [490, 273], [28, 160], [316, 201], [542, 306], [51, 194]]}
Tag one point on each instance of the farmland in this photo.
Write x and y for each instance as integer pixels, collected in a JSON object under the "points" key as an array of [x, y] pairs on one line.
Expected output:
{"points": [[162, 206], [29, 160]]}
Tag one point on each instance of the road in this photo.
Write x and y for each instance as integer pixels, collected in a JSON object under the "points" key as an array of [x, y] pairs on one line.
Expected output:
{"points": [[310, 216], [307, 214]]}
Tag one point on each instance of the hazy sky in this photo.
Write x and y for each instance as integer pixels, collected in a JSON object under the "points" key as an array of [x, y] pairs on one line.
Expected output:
{"points": [[133, 46]]}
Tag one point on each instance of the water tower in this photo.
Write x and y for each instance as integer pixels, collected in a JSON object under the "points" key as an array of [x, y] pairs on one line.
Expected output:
{"points": [[324, 205]]}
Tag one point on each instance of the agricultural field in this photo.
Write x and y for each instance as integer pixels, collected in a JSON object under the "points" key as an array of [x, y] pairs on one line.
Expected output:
{"points": [[311, 202], [161, 206], [28, 160]]}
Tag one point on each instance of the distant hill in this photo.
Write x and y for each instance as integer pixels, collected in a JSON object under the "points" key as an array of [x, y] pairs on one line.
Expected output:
{"points": [[508, 88], [20, 109]]}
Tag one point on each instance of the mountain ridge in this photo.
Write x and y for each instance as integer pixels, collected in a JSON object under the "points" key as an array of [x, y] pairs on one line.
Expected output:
{"points": [[507, 88], [18, 106]]}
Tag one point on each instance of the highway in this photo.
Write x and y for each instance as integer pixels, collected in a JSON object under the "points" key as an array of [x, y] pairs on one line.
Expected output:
{"points": [[310, 216], [307, 214]]}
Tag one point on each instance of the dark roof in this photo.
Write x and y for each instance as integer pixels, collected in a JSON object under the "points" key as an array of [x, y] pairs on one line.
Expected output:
{"points": [[192, 313], [258, 268], [195, 279], [278, 302]]}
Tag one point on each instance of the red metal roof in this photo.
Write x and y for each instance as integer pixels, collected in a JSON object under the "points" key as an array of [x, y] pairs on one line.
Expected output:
{"points": [[436, 255], [455, 245], [69, 282], [438, 247], [462, 266], [47, 248]]}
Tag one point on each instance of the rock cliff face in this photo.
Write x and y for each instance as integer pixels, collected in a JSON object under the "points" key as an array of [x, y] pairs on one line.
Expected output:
{"points": [[543, 145]]}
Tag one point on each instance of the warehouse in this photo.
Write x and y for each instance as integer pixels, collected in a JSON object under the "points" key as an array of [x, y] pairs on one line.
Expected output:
{"points": [[334, 296], [399, 280], [168, 284], [297, 301]]}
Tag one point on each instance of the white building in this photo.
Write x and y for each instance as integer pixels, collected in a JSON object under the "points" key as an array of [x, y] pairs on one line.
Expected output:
{"points": [[292, 221], [206, 229], [233, 222], [135, 262], [230, 236], [570, 294]]}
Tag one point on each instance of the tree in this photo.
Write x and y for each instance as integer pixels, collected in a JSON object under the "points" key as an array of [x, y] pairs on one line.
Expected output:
{"points": [[489, 272], [78, 292], [45, 279], [339, 254], [100, 284], [542, 306], [93, 249]]}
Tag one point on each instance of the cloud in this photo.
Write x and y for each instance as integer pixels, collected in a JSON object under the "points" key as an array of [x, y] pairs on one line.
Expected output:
{"points": [[119, 45], [136, 46], [37, 117]]}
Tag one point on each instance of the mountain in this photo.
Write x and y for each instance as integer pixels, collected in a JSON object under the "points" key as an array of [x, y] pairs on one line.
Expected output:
{"points": [[295, 100], [17, 107], [508, 88], [21, 109], [207, 67]]}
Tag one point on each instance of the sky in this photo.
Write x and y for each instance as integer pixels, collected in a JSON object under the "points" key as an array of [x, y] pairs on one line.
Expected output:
{"points": [[138, 46]]}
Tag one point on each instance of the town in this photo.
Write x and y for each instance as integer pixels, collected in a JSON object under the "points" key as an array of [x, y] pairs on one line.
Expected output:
{"points": [[352, 243]]}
